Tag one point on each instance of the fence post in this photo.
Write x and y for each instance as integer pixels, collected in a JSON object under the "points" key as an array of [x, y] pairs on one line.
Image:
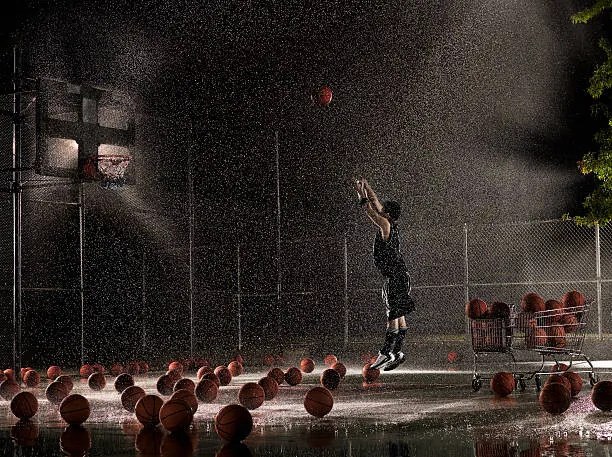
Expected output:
{"points": [[598, 281], [466, 269], [346, 310], [238, 298]]}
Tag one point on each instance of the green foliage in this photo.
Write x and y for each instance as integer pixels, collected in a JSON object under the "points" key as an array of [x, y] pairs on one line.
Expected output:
{"points": [[598, 205]]}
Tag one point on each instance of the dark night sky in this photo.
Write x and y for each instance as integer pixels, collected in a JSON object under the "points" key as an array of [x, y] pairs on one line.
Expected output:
{"points": [[464, 111]]}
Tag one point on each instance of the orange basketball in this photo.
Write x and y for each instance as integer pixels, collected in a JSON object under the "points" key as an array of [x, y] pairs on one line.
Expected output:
{"points": [[10, 374], [75, 409], [561, 380], [307, 365], [211, 377], [23, 371], [499, 310], [66, 380], [324, 96], [98, 368], [293, 376], [96, 381], [2, 376], [554, 308], [143, 367], [502, 383], [174, 365], [130, 396], [318, 401], [277, 374], [224, 375], [235, 368], [575, 382], [535, 336], [572, 299], [233, 423], [601, 395], [8, 389], [53, 372], [555, 398], [116, 369], [203, 370], [24, 405], [556, 336], [370, 374], [174, 375], [56, 392], [188, 397], [268, 360], [147, 409], [330, 359], [532, 303], [31, 378], [133, 368], [165, 385], [86, 370], [270, 387], [340, 368], [175, 415], [475, 308], [123, 381], [75, 440], [251, 395], [207, 390], [330, 379], [569, 322], [185, 383]]}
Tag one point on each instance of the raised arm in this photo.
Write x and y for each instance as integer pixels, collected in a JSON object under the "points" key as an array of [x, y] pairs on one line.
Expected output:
{"points": [[371, 203], [372, 198]]}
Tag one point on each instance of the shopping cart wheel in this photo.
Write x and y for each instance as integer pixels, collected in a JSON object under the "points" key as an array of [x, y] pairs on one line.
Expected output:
{"points": [[593, 379], [521, 384], [538, 382], [476, 384]]}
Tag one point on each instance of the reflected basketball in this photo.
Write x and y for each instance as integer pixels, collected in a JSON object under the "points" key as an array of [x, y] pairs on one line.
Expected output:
{"points": [[556, 336], [502, 383], [31, 378], [178, 366], [340, 368], [177, 444], [569, 322], [25, 433], [185, 383], [203, 370], [24, 405], [8, 389], [370, 374], [53, 372], [499, 310], [293, 376], [97, 381], [148, 441], [575, 381], [86, 370], [561, 380], [234, 450], [75, 409], [307, 365], [330, 359], [270, 387], [235, 368], [56, 392], [572, 299], [476, 308], [555, 398], [251, 395], [233, 423], [532, 303], [211, 377], [224, 375], [75, 440], [601, 395], [147, 409], [165, 385], [116, 369], [207, 390], [66, 380], [318, 401], [123, 381], [188, 397], [330, 379], [277, 374], [175, 414], [130, 396]]}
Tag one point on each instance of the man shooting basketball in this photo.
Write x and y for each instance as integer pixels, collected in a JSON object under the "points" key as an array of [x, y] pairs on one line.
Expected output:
{"points": [[389, 261]]}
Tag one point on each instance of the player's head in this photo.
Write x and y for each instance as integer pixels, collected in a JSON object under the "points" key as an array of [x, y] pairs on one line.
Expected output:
{"points": [[392, 209]]}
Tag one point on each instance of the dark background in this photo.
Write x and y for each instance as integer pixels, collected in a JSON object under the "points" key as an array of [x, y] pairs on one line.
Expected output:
{"points": [[466, 112]]}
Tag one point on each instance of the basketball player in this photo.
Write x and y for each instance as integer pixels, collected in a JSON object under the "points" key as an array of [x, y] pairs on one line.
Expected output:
{"points": [[389, 261]]}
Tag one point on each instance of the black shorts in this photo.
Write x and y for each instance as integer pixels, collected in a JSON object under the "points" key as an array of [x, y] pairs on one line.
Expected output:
{"points": [[396, 296]]}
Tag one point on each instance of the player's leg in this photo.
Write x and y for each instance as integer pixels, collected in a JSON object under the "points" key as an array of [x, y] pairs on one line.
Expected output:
{"points": [[385, 354], [402, 305]]}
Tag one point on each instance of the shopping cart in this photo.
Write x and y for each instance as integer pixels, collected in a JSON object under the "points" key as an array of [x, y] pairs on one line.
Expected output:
{"points": [[551, 334]]}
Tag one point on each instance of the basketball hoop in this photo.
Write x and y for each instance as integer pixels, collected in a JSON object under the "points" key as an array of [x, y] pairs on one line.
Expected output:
{"points": [[111, 170]]}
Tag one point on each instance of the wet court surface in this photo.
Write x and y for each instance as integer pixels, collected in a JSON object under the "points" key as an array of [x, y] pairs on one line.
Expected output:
{"points": [[407, 413]]}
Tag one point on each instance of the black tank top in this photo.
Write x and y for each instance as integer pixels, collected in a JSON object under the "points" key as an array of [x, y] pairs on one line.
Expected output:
{"points": [[387, 254]]}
